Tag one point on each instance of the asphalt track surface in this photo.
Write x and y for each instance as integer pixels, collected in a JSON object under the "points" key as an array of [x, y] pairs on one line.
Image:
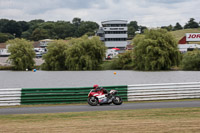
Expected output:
{"points": [[83, 108]]}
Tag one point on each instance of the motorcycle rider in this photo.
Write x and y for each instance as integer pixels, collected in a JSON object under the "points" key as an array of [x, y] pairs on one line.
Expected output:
{"points": [[97, 88]]}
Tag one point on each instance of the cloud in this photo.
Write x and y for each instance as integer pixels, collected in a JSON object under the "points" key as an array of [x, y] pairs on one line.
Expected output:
{"points": [[150, 13]]}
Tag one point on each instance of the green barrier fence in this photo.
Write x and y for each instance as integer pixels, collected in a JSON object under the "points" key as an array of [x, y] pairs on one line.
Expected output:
{"points": [[63, 95]]}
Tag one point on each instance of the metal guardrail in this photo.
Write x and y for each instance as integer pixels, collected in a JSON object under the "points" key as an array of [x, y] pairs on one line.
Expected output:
{"points": [[163, 91], [62, 95], [11, 96], [139, 92]]}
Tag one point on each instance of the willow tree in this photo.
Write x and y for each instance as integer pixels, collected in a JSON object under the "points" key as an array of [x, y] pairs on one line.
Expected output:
{"points": [[155, 50], [84, 53], [55, 57], [22, 54], [191, 60]]}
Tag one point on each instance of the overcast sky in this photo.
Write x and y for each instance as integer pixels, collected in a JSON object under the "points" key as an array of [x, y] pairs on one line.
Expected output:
{"points": [[150, 13]]}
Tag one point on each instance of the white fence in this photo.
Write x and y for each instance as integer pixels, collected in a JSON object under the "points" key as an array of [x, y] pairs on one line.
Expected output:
{"points": [[10, 96], [163, 91]]}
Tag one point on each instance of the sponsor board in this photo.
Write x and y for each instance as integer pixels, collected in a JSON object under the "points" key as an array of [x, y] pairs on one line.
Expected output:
{"points": [[193, 37]]}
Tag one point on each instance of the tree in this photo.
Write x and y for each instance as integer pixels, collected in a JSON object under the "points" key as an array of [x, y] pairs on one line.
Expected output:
{"points": [[63, 29], [87, 27], [177, 27], [24, 25], [5, 37], [168, 28], [49, 28], [84, 53], [132, 28], [39, 34], [191, 24], [13, 28], [3, 22], [34, 24], [155, 50], [191, 60], [76, 22], [22, 54], [26, 35], [56, 56], [142, 28]]}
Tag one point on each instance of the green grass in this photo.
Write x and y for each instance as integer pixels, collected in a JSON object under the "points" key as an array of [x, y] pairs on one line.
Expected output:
{"points": [[106, 65], [178, 34], [6, 68], [124, 121]]}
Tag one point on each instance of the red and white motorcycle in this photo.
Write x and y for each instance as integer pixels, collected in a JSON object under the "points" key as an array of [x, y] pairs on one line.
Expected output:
{"points": [[99, 97]]}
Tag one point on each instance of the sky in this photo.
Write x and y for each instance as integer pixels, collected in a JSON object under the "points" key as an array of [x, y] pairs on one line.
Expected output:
{"points": [[150, 13]]}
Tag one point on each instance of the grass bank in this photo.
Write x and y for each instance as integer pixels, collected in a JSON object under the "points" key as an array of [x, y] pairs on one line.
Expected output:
{"points": [[6, 68], [12, 68], [126, 121], [178, 34]]}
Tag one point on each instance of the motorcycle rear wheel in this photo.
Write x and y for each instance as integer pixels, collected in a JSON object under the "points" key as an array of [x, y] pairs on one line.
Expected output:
{"points": [[93, 101], [117, 100]]}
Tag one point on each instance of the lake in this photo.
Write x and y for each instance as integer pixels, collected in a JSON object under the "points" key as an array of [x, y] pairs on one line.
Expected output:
{"points": [[57, 79]]}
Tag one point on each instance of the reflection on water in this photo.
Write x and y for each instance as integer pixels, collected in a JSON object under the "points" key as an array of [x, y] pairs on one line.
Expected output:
{"points": [[49, 79]]}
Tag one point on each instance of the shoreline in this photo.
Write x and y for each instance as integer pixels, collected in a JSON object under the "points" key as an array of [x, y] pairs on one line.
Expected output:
{"points": [[4, 61]]}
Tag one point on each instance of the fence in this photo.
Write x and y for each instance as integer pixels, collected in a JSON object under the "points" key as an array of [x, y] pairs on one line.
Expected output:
{"points": [[62, 95], [10, 96], [22, 96], [138, 92], [163, 91]]}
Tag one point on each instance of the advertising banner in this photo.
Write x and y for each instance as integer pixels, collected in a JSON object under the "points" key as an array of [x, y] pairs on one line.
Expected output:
{"points": [[193, 37]]}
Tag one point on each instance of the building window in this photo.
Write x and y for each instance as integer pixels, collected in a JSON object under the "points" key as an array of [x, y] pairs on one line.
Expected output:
{"points": [[115, 39], [114, 25], [115, 32]]}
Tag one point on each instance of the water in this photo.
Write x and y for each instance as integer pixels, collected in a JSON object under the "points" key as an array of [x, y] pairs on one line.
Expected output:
{"points": [[57, 79]]}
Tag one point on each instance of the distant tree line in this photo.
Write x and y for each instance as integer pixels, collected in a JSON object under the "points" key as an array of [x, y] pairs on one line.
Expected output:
{"points": [[189, 25], [39, 29]]}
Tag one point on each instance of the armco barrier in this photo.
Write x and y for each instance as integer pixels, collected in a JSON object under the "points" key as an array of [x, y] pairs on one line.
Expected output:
{"points": [[10, 96], [63, 95], [163, 91], [139, 92]]}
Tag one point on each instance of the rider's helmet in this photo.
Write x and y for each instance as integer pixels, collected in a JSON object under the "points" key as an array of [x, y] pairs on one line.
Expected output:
{"points": [[95, 87]]}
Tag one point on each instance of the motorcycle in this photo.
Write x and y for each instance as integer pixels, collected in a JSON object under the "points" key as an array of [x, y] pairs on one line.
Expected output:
{"points": [[99, 97]]}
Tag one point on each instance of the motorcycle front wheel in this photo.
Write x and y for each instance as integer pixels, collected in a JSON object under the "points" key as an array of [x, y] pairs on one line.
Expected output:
{"points": [[93, 101], [117, 100]]}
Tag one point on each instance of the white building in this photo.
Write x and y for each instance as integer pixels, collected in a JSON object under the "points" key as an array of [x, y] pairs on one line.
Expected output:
{"points": [[4, 52], [188, 47], [114, 33], [44, 43]]}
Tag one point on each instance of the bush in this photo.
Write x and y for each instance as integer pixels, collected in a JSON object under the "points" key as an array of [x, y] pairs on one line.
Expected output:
{"points": [[191, 60], [124, 61]]}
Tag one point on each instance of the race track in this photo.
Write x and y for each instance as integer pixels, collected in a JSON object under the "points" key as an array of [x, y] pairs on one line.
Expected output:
{"points": [[82, 108]]}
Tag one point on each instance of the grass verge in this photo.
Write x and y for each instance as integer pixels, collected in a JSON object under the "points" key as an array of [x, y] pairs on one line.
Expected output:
{"points": [[126, 121]]}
